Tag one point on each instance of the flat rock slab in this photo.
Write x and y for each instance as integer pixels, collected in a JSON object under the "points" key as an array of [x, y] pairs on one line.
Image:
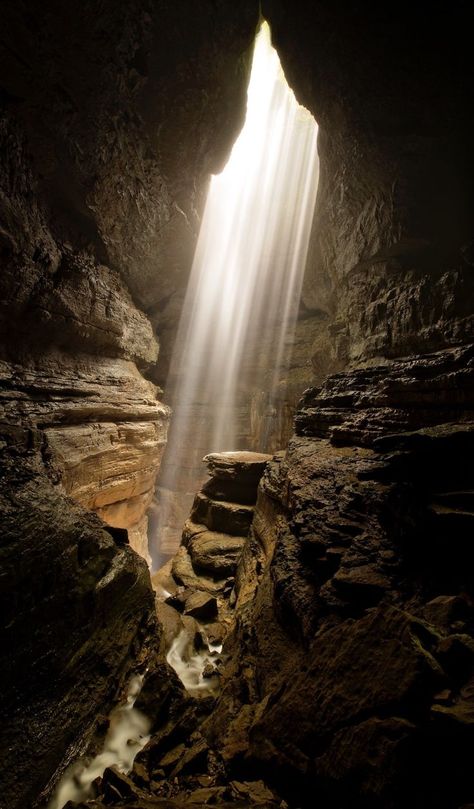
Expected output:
{"points": [[222, 516], [246, 467]]}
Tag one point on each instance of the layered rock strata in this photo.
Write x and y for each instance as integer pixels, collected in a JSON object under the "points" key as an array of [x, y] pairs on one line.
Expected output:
{"points": [[178, 767], [354, 642], [198, 582], [111, 120], [78, 620]]}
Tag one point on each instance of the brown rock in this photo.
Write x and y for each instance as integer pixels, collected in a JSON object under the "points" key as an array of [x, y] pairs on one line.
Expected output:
{"points": [[255, 792], [388, 667], [215, 552], [194, 759], [445, 610], [222, 517], [369, 754], [201, 605], [247, 467], [184, 574], [231, 490], [363, 583]]}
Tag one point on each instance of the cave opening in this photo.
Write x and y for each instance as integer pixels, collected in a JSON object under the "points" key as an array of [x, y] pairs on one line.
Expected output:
{"points": [[227, 383]]}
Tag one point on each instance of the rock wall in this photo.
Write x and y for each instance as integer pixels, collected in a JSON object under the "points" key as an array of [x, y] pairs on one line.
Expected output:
{"points": [[390, 265], [112, 116], [351, 671], [351, 676]]}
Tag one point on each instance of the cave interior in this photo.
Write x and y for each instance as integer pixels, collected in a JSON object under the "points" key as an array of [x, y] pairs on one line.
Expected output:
{"points": [[289, 624]]}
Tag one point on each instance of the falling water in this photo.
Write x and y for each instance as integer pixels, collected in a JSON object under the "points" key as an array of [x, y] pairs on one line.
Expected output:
{"points": [[247, 273], [189, 664], [126, 736]]}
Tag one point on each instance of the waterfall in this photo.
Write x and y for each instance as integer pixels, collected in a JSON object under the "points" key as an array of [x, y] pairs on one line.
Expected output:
{"points": [[246, 278]]}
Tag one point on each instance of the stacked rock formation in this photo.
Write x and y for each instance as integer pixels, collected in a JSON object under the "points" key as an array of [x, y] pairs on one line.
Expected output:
{"points": [[198, 583]]}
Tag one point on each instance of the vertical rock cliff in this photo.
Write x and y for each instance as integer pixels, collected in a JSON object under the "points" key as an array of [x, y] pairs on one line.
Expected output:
{"points": [[112, 116]]}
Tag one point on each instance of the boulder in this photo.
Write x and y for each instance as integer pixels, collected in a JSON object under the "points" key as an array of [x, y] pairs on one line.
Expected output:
{"points": [[215, 552], [201, 605]]}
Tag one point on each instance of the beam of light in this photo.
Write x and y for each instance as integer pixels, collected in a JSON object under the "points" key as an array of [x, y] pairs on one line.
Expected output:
{"points": [[247, 273]]}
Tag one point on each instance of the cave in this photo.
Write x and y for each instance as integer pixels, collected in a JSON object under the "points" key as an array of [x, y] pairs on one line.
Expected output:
{"points": [[304, 633]]}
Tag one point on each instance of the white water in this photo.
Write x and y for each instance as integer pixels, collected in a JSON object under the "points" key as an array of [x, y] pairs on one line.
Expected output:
{"points": [[126, 736], [247, 274], [189, 664]]}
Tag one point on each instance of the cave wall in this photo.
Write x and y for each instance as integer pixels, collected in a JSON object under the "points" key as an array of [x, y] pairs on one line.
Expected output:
{"points": [[391, 257], [389, 270], [351, 670], [108, 147], [112, 115]]}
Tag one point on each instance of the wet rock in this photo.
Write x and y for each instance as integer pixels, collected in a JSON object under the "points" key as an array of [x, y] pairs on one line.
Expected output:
{"points": [[140, 774], [216, 633], [201, 605], [209, 670], [116, 787], [170, 623], [91, 603]]}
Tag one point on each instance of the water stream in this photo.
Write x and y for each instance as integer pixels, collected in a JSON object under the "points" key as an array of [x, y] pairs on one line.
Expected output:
{"points": [[246, 279], [126, 736], [190, 664]]}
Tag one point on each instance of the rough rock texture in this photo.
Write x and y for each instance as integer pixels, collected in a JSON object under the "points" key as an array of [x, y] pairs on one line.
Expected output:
{"points": [[77, 621], [199, 580], [127, 110], [390, 265], [103, 431], [353, 656], [112, 116]]}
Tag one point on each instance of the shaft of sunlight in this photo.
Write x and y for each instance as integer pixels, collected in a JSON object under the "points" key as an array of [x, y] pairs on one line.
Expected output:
{"points": [[247, 274]]}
